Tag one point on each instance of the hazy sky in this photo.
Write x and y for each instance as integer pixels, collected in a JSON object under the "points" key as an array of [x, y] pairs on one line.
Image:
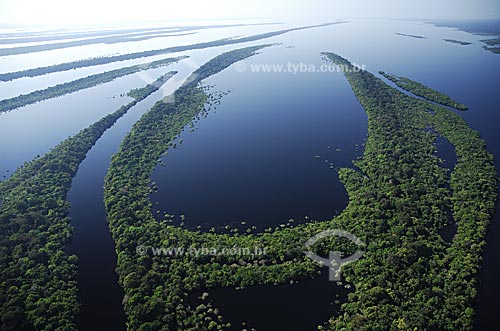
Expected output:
{"points": [[123, 11]]}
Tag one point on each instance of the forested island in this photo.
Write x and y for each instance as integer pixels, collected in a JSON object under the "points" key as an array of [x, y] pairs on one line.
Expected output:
{"points": [[410, 35], [38, 290], [400, 198], [130, 56], [80, 84], [117, 36], [105, 40], [423, 91], [458, 42], [409, 277], [492, 45], [483, 28]]}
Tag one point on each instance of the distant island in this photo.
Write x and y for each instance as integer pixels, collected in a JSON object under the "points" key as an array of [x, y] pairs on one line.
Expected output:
{"points": [[479, 27], [410, 35], [492, 45], [492, 42], [453, 41]]}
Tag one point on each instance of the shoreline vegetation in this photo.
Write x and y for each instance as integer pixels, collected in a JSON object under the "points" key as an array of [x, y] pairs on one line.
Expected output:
{"points": [[38, 290], [423, 283], [423, 91], [80, 84], [160, 303], [131, 56], [409, 277]]}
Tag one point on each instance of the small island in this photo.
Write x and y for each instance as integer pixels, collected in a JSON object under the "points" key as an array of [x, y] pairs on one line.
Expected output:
{"points": [[36, 194], [458, 42], [59, 90], [410, 35], [423, 91], [492, 45]]}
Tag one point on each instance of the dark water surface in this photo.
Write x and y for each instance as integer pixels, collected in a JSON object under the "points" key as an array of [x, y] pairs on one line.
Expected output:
{"points": [[260, 157]]}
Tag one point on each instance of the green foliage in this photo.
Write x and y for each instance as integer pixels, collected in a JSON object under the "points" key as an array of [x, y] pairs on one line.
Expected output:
{"points": [[79, 84], [38, 290], [423, 91], [142, 93], [430, 283], [408, 279]]}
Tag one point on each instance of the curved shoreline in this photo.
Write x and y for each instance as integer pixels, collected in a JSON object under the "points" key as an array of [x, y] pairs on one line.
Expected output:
{"points": [[37, 281], [405, 261]]}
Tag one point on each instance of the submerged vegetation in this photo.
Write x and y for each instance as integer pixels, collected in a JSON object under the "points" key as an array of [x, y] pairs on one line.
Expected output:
{"points": [[423, 91], [38, 290], [124, 57], [80, 84], [409, 278]]}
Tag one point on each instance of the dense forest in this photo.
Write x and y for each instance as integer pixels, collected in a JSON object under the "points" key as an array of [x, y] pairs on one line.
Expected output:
{"points": [[400, 197], [409, 278], [423, 91], [131, 56], [38, 290], [80, 84], [412, 280]]}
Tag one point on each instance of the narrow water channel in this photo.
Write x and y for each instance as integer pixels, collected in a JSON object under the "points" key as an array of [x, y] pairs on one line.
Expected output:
{"points": [[263, 156], [447, 155], [303, 305], [100, 295]]}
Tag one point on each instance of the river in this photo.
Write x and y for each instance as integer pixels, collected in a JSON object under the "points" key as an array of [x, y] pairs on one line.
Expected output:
{"points": [[269, 152]]}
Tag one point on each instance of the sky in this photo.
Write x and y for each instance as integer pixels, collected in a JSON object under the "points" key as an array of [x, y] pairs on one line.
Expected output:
{"points": [[90, 12]]}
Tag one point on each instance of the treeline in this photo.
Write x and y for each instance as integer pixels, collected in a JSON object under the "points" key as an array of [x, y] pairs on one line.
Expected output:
{"points": [[80, 84], [38, 290], [423, 91], [409, 277], [131, 56], [156, 288]]}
